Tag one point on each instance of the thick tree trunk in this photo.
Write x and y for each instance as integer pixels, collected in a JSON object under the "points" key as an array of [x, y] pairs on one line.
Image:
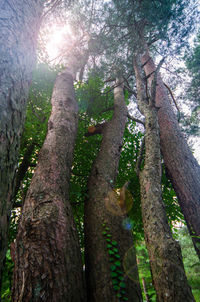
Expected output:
{"points": [[19, 26], [109, 246], [47, 255], [181, 165], [164, 252]]}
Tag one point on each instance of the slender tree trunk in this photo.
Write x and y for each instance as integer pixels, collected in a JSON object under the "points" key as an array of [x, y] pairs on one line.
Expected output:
{"points": [[109, 245], [181, 165], [21, 172], [47, 256], [164, 252], [19, 26], [148, 299]]}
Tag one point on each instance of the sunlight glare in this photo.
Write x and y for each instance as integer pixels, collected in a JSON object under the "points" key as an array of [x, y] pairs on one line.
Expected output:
{"points": [[57, 39]]}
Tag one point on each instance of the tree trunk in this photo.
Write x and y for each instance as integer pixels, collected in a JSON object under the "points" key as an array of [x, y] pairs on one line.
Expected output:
{"points": [[47, 255], [109, 245], [181, 165], [147, 297], [19, 26], [164, 252], [21, 171]]}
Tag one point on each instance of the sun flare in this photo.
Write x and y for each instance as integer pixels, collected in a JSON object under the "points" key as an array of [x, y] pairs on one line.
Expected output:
{"points": [[57, 39]]}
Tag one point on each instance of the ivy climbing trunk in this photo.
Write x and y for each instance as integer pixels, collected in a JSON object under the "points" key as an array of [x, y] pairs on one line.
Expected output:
{"points": [[167, 268], [47, 256], [181, 165], [19, 26], [111, 268]]}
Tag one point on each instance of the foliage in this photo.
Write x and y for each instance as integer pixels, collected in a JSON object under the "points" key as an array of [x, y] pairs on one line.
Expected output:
{"points": [[7, 279], [116, 266], [144, 271], [190, 260], [193, 66]]}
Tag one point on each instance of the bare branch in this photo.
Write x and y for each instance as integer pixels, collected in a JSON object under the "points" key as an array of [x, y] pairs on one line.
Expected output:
{"points": [[135, 119], [173, 98]]}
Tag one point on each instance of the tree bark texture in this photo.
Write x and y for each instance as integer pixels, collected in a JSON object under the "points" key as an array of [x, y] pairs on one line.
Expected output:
{"points": [[19, 26], [104, 224], [181, 165], [47, 256], [167, 268]]}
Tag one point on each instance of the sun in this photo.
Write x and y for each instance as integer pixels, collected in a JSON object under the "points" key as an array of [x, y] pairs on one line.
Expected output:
{"points": [[56, 40]]}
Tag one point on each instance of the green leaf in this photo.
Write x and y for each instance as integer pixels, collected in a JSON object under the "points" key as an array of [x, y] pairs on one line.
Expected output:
{"points": [[117, 263], [120, 272], [115, 282], [113, 267], [110, 252], [109, 246], [113, 274], [116, 287], [122, 285], [114, 243]]}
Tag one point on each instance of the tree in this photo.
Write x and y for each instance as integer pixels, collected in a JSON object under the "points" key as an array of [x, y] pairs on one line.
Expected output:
{"points": [[192, 60], [47, 258], [107, 244], [35, 127], [19, 26], [181, 165], [161, 22], [164, 252]]}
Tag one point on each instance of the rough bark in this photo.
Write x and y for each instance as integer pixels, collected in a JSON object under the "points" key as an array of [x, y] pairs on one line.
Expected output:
{"points": [[181, 165], [19, 26], [166, 263], [47, 255], [100, 213]]}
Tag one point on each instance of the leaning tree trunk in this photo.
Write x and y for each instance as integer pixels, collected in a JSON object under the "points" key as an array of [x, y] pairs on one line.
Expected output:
{"points": [[109, 246], [181, 165], [19, 26], [167, 268], [47, 256]]}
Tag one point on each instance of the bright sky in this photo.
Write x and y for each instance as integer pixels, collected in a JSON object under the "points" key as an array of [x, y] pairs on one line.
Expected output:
{"points": [[57, 39]]}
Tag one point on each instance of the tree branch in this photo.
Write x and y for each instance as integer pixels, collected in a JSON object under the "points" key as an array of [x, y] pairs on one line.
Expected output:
{"points": [[135, 119], [172, 96]]}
